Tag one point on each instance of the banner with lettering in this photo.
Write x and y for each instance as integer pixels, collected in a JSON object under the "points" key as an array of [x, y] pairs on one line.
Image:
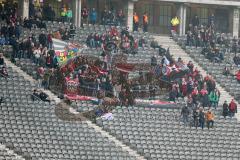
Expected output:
{"points": [[71, 87]]}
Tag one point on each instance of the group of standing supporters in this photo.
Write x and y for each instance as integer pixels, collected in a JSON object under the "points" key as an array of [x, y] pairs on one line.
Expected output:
{"points": [[144, 22], [111, 17]]}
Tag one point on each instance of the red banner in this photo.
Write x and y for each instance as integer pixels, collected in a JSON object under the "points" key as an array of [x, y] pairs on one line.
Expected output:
{"points": [[71, 87], [126, 68]]}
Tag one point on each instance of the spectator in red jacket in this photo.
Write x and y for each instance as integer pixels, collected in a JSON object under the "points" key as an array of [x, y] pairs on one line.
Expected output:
{"points": [[238, 76], [184, 87], [232, 108], [203, 91]]}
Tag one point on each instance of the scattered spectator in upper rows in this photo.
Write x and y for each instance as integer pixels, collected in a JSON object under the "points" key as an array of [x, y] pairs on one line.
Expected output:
{"points": [[145, 22], [93, 16], [135, 22], [175, 22], [120, 17], [84, 14], [66, 14], [195, 21]]}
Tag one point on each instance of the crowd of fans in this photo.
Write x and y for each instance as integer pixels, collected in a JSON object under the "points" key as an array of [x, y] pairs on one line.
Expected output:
{"points": [[214, 45], [113, 40], [201, 92], [10, 30]]}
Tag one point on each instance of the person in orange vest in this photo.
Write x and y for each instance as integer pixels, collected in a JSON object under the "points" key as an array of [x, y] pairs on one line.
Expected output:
{"points": [[145, 22], [209, 118], [135, 22]]}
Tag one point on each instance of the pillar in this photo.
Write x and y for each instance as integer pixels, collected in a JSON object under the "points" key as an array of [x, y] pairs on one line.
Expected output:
{"points": [[24, 8], [235, 26], [77, 7], [182, 14], [130, 8]]}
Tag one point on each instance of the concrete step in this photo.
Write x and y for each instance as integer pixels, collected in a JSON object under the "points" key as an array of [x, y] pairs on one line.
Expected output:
{"points": [[116, 141]]}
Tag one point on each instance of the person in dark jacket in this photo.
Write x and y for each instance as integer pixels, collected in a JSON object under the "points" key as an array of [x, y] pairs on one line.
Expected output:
{"points": [[195, 21], [172, 95], [1, 60], [225, 109], [16, 49], [4, 30], [196, 117], [35, 95], [43, 39], [153, 61], [211, 20], [185, 113], [44, 97], [17, 31], [201, 118], [1, 101], [31, 9], [11, 30], [205, 101]]}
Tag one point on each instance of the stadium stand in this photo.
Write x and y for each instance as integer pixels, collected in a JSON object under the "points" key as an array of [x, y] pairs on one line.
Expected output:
{"points": [[229, 82], [7, 154], [32, 128], [178, 52]]}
